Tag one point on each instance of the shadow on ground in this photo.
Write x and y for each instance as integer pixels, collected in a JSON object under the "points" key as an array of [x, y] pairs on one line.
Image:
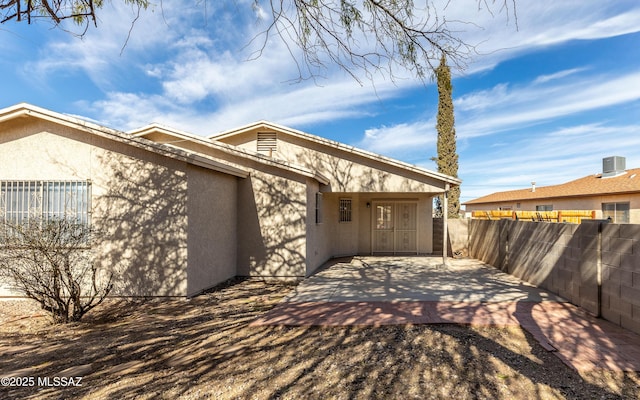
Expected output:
{"points": [[206, 347]]}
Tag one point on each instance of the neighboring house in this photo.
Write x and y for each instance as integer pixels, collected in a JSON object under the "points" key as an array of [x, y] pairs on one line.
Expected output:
{"points": [[615, 194], [181, 213]]}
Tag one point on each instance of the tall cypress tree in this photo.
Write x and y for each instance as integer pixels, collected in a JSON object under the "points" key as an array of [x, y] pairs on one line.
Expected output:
{"points": [[447, 159]]}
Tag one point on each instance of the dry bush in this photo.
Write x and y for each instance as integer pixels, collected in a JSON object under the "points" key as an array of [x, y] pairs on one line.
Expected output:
{"points": [[50, 261]]}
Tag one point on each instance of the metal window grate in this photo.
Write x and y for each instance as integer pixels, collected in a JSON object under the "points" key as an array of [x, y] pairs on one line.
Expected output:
{"points": [[23, 200], [267, 143], [345, 210]]}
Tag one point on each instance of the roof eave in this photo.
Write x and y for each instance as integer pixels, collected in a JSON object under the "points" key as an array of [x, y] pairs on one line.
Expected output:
{"points": [[340, 146], [474, 202], [28, 110], [230, 149]]}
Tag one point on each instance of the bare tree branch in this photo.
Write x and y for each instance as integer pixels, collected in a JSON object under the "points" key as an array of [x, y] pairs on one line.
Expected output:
{"points": [[368, 35], [355, 35], [82, 12], [50, 261]]}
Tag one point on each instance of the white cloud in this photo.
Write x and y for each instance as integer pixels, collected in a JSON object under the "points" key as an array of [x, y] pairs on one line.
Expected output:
{"points": [[521, 106], [558, 75], [196, 60], [101, 52], [196, 56], [198, 73], [301, 105], [549, 158], [478, 101], [418, 137], [503, 107], [126, 111], [539, 24], [160, 35]]}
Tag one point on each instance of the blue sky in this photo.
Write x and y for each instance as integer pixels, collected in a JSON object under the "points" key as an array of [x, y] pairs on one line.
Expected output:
{"points": [[544, 101]]}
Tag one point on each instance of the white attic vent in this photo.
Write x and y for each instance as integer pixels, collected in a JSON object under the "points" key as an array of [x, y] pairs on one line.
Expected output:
{"points": [[267, 143], [613, 166]]}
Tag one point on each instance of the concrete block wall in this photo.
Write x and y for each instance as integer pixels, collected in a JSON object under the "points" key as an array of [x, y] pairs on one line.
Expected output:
{"points": [[458, 243], [567, 259], [587, 251], [621, 275], [485, 243]]}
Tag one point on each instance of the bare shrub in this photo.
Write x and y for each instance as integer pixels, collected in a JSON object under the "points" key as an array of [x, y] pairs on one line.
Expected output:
{"points": [[50, 262]]}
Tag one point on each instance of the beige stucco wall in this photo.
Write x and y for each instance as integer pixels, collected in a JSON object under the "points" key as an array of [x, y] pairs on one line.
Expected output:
{"points": [[354, 238], [344, 235], [319, 236], [274, 222], [140, 203], [424, 223], [347, 171], [351, 176], [593, 203], [277, 231], [212, 212], [272, 219]]}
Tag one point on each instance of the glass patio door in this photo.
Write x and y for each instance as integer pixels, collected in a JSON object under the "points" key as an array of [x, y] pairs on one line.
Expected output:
{"points": [[395, 227]]}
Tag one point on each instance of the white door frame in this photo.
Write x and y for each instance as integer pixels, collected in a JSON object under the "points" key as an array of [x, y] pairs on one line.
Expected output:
{"points": [[392, 229]]}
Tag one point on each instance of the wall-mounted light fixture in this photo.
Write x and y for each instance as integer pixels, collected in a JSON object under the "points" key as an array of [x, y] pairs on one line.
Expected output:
{"points": [[368, 205]]}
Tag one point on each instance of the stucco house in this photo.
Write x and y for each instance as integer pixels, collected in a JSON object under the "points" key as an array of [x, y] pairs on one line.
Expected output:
{"points": [[614, 193], [183, 213]]}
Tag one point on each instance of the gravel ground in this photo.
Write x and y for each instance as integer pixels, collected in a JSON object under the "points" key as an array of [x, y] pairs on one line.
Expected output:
{"points": [[205, 348]]}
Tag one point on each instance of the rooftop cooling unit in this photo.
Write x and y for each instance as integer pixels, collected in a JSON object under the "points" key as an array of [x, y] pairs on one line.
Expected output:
{"points": [[613, 166]]}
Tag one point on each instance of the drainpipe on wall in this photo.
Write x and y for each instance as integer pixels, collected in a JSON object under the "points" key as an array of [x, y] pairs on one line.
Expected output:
{"points": [[445, 211]]}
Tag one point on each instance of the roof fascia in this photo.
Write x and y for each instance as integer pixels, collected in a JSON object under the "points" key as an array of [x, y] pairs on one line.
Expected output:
{"points": [[473, 202], [337, 145], [27, 110], [233, 150]]}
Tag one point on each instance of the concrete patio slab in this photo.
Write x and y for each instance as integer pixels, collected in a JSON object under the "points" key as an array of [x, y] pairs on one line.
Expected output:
{"points": [[418, 290], [391, 279]]}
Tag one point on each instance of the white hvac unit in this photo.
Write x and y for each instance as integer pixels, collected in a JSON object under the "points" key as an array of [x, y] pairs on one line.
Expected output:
{"points": [[613, 166]]}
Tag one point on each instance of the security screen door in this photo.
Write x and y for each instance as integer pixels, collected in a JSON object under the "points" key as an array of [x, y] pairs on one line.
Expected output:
{"points": [[395, 227]]}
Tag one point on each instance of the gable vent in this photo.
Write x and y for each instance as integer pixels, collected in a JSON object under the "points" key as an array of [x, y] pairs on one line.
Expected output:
{"points": [[613, 166], [267, 143]]}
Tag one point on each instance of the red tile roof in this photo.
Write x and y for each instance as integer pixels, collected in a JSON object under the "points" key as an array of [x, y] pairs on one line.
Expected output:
{"points": [[588, 186]]}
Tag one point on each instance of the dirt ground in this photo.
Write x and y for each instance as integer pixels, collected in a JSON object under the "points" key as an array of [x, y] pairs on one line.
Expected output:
{"points": [[205, 348]]}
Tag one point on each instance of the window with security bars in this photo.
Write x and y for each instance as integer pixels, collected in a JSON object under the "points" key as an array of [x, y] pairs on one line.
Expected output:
{"points": [[345, 210], [267, 143], [21, 201]]}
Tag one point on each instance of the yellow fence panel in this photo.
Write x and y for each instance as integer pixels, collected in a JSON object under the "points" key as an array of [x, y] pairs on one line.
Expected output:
{"points": [[576, 216], [568, 216], [549, 216], [493, 214]]}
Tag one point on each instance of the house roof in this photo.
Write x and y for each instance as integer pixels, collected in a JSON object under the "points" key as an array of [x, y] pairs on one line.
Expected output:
{"points": [[229, 149], [24, 110], [336, 145], [592, 185], [137, 139]]}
